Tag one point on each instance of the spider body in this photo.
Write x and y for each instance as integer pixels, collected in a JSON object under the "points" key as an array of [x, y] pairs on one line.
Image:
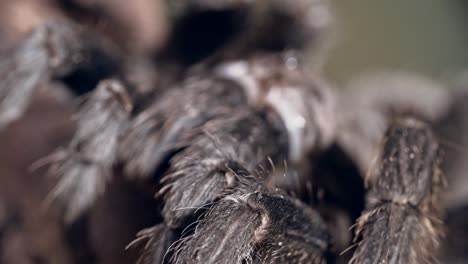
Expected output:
{"points": [[232, 143]]}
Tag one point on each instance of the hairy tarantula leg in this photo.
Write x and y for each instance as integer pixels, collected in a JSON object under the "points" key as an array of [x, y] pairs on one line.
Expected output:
{"points": [[254, 223], [297, 234], [86, 164], [156, 130], [401, 223], [50, 49], [200, 168]]}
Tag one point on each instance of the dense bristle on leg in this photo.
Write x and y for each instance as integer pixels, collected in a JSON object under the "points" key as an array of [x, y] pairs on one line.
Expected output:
{"points": [[401, 223], [256, 225], [201, 168], [155, 131], [86, 164]]}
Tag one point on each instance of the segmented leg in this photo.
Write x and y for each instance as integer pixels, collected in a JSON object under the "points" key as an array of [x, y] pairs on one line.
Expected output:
{"points": [[200, 168], [401, 223], [86, 163], [155, 131], [255, 225]]}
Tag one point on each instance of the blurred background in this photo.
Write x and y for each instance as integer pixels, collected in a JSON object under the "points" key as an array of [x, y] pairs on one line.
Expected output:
{"points": [[425, 36]]}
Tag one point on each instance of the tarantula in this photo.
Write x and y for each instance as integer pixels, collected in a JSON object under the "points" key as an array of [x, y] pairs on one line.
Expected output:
{"points": [[248, 152]]}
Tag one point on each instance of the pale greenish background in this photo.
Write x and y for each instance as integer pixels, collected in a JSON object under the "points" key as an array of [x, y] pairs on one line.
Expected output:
{"points": [[424, 36]]}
